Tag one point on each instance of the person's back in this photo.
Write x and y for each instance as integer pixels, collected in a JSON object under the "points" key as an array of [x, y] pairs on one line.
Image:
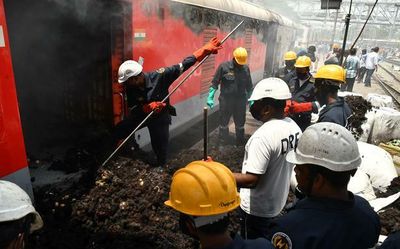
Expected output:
{"points": [[329, 216], [371, 60], [329, 223]]}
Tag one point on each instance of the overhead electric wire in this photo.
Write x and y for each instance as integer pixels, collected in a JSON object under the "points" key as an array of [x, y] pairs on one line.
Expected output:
{"points": [[362, 29]]}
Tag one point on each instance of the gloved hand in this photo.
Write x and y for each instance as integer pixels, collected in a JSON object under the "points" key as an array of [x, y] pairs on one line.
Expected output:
{"points": [[155, 106], [210, 47], [210, 99], [248, 95], [293, 107]]}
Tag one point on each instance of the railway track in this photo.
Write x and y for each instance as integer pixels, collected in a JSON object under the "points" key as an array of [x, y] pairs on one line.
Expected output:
{"points": [[394, 62], [389, 88]]}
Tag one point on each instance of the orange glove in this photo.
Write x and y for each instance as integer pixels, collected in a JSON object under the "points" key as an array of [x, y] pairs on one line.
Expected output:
{"points": [[155, 106], [293, 107], [211, 47]]}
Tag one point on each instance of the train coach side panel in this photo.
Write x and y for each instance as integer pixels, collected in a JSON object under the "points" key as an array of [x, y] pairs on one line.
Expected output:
{"points": [[163, 37]]}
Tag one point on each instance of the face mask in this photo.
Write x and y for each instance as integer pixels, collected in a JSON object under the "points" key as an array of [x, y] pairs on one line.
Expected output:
{"points": [[302, 76]]}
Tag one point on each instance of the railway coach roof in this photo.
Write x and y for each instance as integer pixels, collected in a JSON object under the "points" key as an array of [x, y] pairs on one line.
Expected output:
{"points": [[242, 8]]}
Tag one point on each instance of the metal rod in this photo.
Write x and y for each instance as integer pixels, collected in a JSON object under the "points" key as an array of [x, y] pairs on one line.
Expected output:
{"points": [[205, 133], [348, 16], [173, 90]]}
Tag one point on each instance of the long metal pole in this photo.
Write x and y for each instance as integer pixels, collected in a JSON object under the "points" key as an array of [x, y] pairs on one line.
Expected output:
{"points": [[173, 90]]}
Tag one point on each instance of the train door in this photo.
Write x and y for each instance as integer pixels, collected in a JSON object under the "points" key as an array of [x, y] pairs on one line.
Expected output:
{"points": [[121, 50], [13, 161]]}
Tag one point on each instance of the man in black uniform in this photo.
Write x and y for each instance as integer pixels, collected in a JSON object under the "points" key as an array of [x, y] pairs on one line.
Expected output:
{"points": [[302, 88], [236, 87], [327, 83], [288, 71], [145, 92], [330, 216]]}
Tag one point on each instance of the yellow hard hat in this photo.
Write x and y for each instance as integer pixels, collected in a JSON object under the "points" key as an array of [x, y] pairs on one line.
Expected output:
{"points": [[335, 45], [240, 55], [290, 55], [331, 72], [203, 189], [303, 61]]}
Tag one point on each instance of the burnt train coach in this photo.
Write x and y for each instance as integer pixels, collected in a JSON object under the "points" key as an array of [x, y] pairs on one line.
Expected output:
{"points": [[65, 57], [164, 32]]}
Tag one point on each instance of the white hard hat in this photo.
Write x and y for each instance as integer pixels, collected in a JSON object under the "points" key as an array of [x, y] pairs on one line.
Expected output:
{"points": [[274, 88], [16, 204], [128, 69], [328, 145]]}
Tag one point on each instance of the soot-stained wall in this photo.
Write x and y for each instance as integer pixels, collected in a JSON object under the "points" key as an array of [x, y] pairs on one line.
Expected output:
{"points": [[61, 58]]}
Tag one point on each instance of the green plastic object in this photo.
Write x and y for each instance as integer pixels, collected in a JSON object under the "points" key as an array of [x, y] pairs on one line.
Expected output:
{"points": [[210, 99]]}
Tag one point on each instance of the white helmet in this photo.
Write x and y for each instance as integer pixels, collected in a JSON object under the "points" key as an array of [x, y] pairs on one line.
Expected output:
{"points": [[128, 69], [327, 145], [274, 88], [16, 204]]}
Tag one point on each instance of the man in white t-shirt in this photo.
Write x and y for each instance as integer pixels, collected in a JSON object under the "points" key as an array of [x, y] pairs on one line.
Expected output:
{"points": [[371, 64], [265, 176]]}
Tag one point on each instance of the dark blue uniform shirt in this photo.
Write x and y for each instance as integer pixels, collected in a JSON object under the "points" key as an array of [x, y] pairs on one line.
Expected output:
{"points": [[317, 223], [301, 94], [286, 75], [157, 84], [234, 81], [337, 112], [239, 243]]}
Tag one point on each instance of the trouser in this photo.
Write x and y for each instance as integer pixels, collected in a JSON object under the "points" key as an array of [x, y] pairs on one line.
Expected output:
{"points": [[253, 227], [302, 120], [361, 74], [349, 85], [367, 81], [158, 129], [229, 107]]}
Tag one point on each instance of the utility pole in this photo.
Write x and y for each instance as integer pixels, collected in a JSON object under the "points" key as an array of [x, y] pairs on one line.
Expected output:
{"points": [[334, 27], [347, 22]]}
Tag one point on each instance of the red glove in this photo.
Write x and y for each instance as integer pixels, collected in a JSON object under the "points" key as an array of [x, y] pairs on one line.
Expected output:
{"points": [[155, 106], [293, 107], [211, 47]]}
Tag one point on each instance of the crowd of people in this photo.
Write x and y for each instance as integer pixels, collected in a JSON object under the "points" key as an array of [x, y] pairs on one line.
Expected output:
{"points": [[323, 155]]}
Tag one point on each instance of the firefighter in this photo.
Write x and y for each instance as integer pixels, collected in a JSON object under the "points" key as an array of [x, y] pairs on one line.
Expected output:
{"points": [[327, 83], [330, 216], [288, 71], [145, 92], [204, 193], [236, 86], [302, 89], [18, 218], [265, 176]]}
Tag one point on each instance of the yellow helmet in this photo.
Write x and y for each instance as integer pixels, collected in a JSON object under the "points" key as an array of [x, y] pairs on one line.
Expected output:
{"points": [[240, 55], [335, 45], [202, 189], [303, 61], [331, 72], [290, 55]]}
